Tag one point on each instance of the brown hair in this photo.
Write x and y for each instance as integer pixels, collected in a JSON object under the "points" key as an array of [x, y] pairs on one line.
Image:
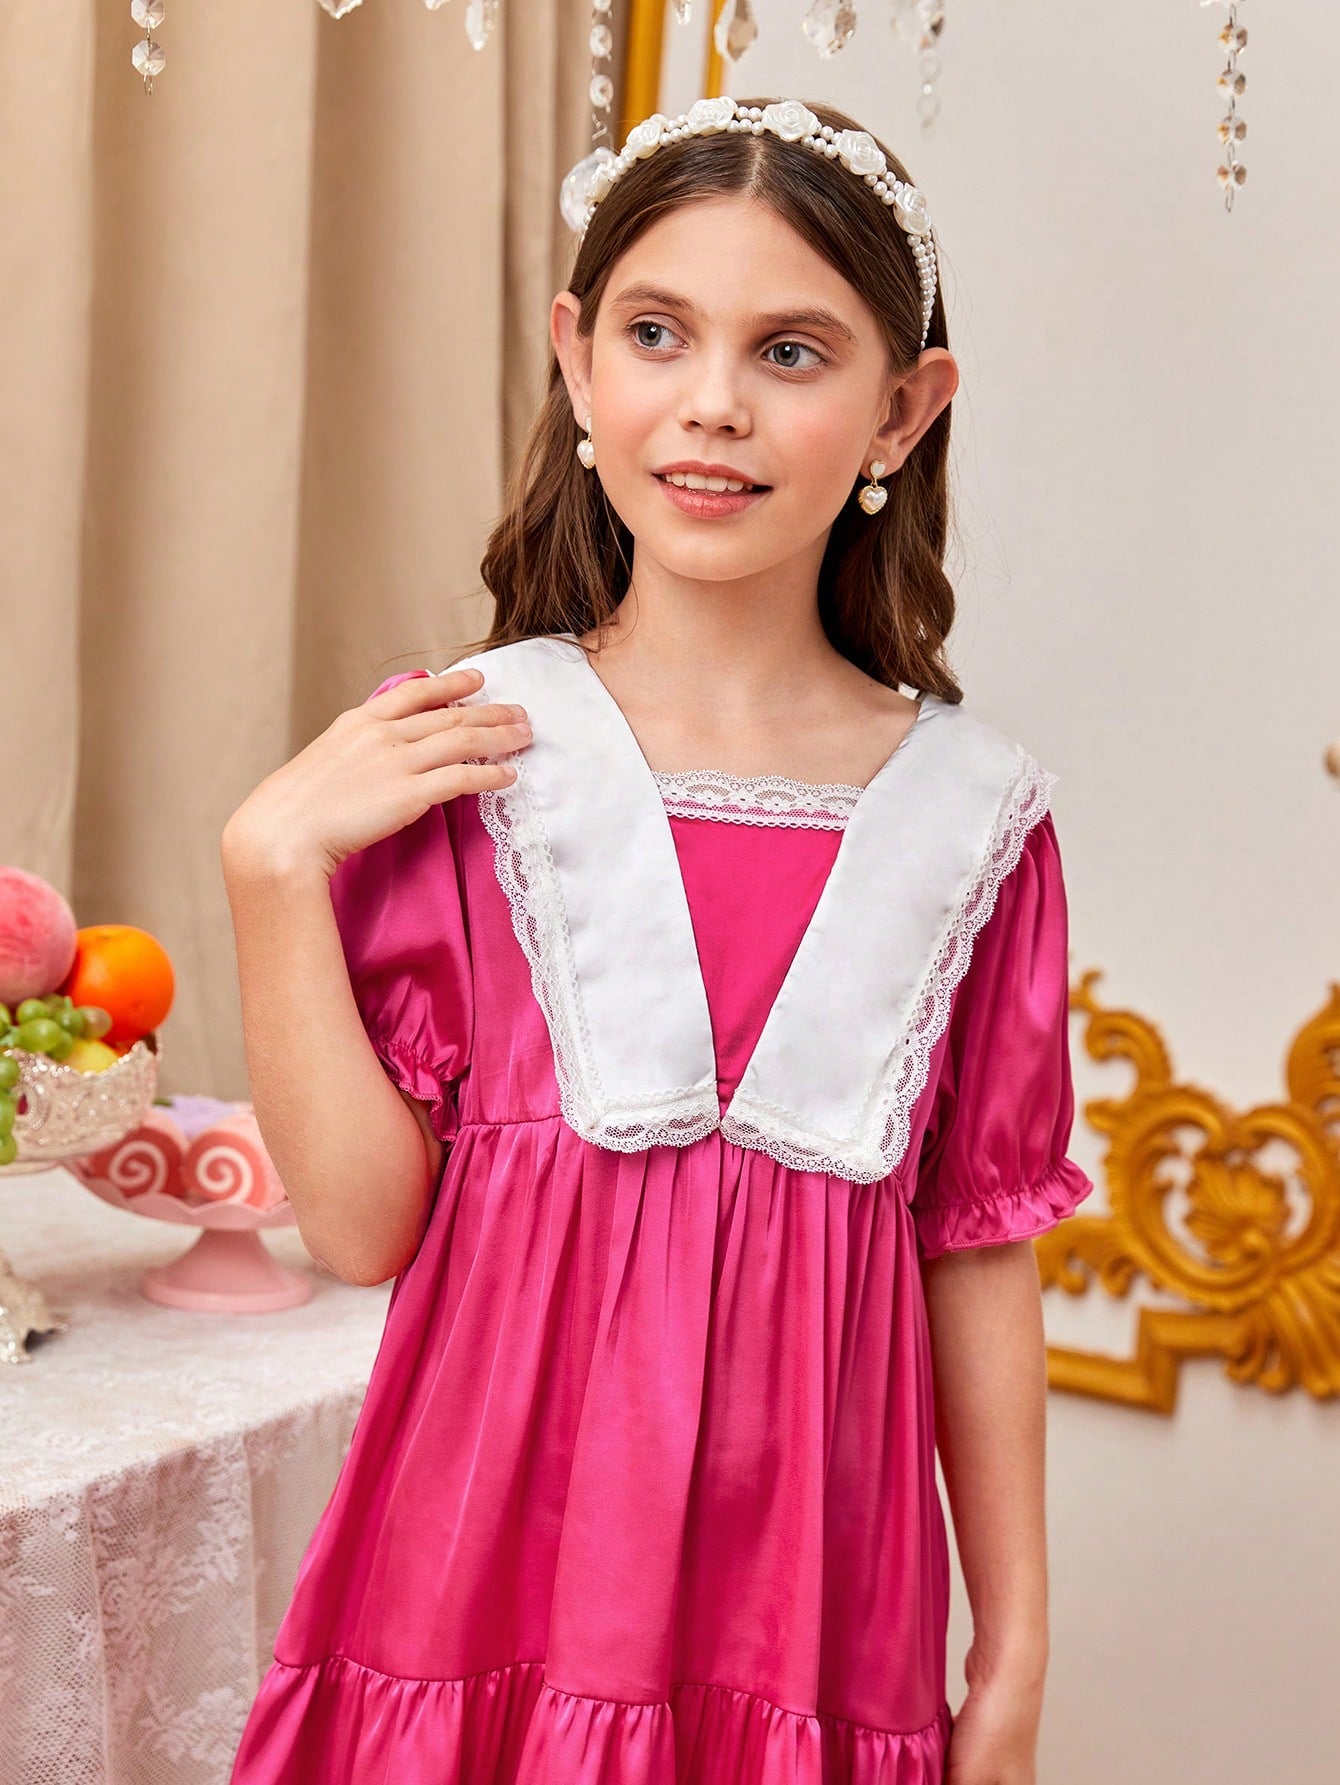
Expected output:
{"points": [[559, 557]]}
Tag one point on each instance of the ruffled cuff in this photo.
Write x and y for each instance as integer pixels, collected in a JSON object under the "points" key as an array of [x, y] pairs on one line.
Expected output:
{"points": [[994, 1220], [416, 1075]]}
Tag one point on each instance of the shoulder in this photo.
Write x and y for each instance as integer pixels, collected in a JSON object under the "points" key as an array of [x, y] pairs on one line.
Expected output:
{"points": [[967, 753]]}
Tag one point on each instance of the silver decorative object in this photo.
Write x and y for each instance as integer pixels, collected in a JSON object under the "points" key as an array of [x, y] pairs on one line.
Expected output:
{"points": [[64, 1113]]}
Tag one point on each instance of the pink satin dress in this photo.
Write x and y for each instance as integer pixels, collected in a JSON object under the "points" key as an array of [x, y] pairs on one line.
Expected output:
{"points": [[643, 1490]]}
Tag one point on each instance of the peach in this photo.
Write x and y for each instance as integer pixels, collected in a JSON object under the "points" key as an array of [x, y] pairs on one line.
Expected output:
{"points": [[37, 937]]}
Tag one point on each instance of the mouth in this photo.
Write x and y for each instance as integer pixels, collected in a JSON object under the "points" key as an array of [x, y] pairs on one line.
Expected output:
{"points": [[709, 497]]}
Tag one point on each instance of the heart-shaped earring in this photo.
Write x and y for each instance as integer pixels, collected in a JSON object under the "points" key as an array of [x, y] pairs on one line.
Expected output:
{"points": [[873, 495], [586, 451]]}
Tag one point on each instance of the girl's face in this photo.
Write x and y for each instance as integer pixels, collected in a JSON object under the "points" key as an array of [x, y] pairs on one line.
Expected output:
{"points": [[724, 343]]}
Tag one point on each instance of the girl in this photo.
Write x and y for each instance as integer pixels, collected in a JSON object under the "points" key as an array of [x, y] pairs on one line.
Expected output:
{"points": [[688, 977]]}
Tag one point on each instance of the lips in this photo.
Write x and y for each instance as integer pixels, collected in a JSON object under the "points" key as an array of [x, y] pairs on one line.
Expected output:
{"points": [[699, 472], [711, 504]]}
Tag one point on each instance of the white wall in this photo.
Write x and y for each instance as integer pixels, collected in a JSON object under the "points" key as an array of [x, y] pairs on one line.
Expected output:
{"points": [[1146, 462]]}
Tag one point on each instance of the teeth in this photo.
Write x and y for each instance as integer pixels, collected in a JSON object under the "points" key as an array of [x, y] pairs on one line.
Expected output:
{"points": [[690, 480]]}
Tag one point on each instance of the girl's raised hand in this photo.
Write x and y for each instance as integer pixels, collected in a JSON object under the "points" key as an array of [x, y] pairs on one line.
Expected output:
{"points": [[376, 768]]}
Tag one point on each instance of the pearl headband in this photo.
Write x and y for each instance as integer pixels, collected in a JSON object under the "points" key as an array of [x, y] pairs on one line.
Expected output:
{"points": [[791, 120]]}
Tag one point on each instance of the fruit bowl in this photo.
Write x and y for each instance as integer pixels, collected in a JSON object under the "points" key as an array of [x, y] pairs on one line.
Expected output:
{"points": [[63, 1112], [200, 1162]]}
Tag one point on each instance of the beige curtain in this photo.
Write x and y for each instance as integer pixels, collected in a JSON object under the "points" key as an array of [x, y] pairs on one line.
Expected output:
{"points": [[270, 336]]}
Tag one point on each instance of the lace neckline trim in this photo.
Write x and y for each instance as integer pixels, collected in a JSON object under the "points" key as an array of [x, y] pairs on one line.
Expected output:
{"points": [[776, 800]]}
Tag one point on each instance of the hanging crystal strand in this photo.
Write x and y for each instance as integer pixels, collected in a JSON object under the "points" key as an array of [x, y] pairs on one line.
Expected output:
{"points": [[829, 25], [932, 22], [735, 30], [1231, 83], [601, 88], [480, 18], [148, 57], [683, 12]]}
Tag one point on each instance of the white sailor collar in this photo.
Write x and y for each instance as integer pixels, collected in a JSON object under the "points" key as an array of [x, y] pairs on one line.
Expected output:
{"points": [[585, 853]]}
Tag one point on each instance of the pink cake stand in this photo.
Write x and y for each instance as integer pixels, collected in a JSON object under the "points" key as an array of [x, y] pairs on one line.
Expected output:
{"points": [[202, 1163]]}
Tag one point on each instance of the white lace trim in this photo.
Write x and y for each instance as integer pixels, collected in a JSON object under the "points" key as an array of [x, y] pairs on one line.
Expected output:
{"points": [[525, 870], [757, 799], [881, 1142]]}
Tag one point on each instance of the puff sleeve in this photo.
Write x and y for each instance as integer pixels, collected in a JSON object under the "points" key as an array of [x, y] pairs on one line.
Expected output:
{"points": [[401, 919], [993, 1163]]}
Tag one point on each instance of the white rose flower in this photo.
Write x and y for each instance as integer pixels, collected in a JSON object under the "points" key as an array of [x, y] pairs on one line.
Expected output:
{"points": [[860, 152], [790, 120], [710, 114], [912, 212], [644, 137]]}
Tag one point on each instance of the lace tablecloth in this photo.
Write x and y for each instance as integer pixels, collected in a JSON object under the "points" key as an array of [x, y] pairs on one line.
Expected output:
{"points": [[160, 1475]]}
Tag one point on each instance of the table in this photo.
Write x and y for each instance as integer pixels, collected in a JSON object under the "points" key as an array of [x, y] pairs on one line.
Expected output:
{"points": [[160, 1475]]}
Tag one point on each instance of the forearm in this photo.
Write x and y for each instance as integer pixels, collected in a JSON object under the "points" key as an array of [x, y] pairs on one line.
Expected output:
{"points": [[348, 1150], [984, 1308]]}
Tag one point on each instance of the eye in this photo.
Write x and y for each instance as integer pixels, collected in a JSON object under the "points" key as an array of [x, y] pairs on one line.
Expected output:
{"points": [[644, 323], [795, 347]]}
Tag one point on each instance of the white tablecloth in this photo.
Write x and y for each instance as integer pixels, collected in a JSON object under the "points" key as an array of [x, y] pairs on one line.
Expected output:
{"points": [[160, 1475]]}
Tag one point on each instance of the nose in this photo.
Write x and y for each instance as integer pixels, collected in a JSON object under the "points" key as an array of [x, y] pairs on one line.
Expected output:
{"points": [[713, 396]]}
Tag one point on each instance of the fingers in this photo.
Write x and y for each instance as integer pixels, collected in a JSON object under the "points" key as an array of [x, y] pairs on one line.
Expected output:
{"points": [[438, 719], [466, 777], [459, 743], [421, 692]]}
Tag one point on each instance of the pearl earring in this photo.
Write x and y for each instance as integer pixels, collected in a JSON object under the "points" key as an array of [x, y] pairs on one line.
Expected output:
{"points": [[586, 451], [873, 496]]}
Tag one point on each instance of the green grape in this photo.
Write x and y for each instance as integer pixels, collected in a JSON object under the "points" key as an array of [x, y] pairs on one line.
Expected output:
{"points": [[72, 1021], [37, 1036], [59, 1049], [97, 1021], [8, 1111], [6, 1020], [55, 1001], [30, 1010], [10, 1072], [9, 1149]]}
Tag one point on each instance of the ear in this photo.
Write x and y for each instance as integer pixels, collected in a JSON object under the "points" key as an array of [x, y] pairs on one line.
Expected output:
{"points": [[574, 352], [913, 403]]}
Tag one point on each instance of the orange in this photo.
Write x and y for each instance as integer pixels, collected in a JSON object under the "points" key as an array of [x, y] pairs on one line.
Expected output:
{"points": [[127, 972]]}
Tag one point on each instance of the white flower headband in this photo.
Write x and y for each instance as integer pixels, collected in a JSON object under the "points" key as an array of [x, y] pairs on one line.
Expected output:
{"points": [[791, 120]]}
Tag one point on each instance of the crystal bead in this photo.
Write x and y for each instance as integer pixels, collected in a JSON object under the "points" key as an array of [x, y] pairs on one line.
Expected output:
{"points": [[601, 91], [735, 30], [1232, 127], [601, 40], [148, 57], [575, 193], [829, 25], [480, 17], [684, 11], [148, 14], [1233, 81], [1233, 37]]}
